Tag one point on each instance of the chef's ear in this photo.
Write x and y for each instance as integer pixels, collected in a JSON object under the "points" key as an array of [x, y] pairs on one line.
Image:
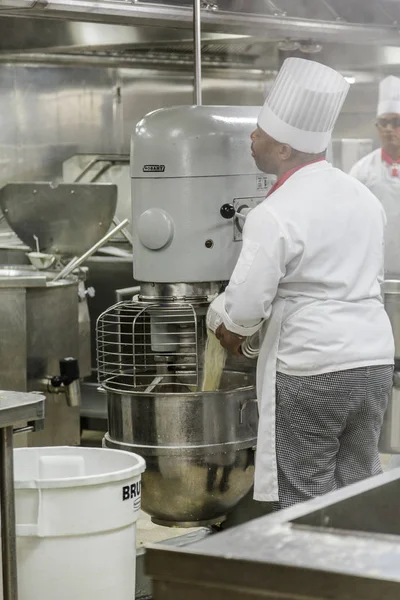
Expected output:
{"points": [[285, 152]]}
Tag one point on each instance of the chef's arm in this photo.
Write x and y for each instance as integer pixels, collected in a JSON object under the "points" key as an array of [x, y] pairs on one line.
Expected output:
{"points": [[255, 279]]}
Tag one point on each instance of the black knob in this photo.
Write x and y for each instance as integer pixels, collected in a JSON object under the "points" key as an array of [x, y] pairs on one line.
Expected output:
{"points": [[56, 381], [227, 211], [69, 370]]}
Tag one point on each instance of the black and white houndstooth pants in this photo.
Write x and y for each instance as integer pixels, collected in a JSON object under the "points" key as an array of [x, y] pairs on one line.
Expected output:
{"points": [[327, 430]]}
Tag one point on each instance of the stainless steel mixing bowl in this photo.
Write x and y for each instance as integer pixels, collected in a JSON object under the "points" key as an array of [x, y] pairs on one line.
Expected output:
{"points": [[198, 446]]}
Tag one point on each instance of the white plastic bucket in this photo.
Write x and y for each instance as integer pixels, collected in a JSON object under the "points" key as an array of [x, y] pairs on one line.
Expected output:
{"points": [[76, 512]]}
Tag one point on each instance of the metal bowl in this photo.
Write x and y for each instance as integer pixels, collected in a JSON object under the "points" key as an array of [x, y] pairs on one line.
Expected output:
{"points": [[67, 218], [198, 447], [41, 261]]}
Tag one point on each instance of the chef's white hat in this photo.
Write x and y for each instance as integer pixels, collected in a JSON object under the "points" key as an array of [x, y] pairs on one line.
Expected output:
{"points": [[389, 96], [303, 105]]}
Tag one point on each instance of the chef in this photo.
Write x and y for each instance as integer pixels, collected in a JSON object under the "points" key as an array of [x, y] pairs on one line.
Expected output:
{"points": [[380, 170], [308, 280]]}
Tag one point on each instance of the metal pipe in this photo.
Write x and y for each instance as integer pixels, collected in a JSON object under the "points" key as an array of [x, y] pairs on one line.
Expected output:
{"points": [[126, 13], [7, 515], [68, 266], [175, 61], [124, 231], [27, 429], [76, 263], [101, 172], [126, 293], [90, 164], [197, 51]]}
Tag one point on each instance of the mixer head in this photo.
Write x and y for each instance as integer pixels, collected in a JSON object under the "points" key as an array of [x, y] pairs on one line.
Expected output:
{"points": [[187, 163]]}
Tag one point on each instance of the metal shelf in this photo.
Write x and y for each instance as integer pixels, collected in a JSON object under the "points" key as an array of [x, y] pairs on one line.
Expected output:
{"points": [[20, 406], [14, 408]]}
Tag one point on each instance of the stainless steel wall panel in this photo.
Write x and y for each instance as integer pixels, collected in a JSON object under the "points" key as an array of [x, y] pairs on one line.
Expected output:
{"points": [[52, 112]]}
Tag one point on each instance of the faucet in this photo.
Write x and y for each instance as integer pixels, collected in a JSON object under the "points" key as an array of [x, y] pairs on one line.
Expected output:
{"points": [[66, 383]]}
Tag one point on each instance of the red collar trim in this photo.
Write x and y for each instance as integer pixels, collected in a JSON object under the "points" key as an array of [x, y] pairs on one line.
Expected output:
{"points": [[288, 174], [393, 163]]}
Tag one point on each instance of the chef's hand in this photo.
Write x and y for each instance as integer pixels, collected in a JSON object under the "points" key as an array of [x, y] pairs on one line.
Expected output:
{"points": [[230, 341]]}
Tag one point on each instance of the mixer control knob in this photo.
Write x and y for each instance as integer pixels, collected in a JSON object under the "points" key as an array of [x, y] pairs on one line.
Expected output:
{"points": [[227, 211]]}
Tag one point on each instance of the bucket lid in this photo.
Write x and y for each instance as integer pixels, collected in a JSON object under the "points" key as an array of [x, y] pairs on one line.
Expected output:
{"points": [[66, 467]]}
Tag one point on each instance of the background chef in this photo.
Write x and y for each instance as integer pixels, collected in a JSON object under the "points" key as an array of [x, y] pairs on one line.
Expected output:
{"points": [[380, 170]]}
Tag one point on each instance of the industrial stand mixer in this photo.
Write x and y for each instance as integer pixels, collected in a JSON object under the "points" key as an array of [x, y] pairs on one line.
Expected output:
{"points": [[193, 180]]}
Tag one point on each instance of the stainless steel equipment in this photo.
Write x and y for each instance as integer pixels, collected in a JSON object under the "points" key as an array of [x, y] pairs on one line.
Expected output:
{"points": [[14, 408], [66, 218], [39, 328], [347, 152], [192, 173], [372, 21], [143, 582], [106, 273], [391, 291], [142, 343], [198, 446], [16, 257], [76, 262], [188, 163], [103, 274], [339, 546], [390, 435], [103, 168]]}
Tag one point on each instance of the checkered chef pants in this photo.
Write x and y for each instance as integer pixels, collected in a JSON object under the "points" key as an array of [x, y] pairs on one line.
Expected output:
{"points": [[327, 430]]}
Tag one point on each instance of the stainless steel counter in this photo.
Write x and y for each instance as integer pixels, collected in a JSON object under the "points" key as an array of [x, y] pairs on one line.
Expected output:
{"points": [[343, 546]]}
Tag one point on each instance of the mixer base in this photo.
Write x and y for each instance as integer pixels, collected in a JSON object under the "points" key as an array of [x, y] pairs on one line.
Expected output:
{"points": [[189, 524]]}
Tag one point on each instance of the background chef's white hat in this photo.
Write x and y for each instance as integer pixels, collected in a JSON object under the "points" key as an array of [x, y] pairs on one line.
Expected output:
{"points": [[389, 96], [303, 105]]}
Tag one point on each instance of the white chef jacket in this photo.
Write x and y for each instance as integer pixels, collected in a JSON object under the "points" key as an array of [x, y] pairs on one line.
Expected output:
{"points": [[377, 175], [309, 274]]}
